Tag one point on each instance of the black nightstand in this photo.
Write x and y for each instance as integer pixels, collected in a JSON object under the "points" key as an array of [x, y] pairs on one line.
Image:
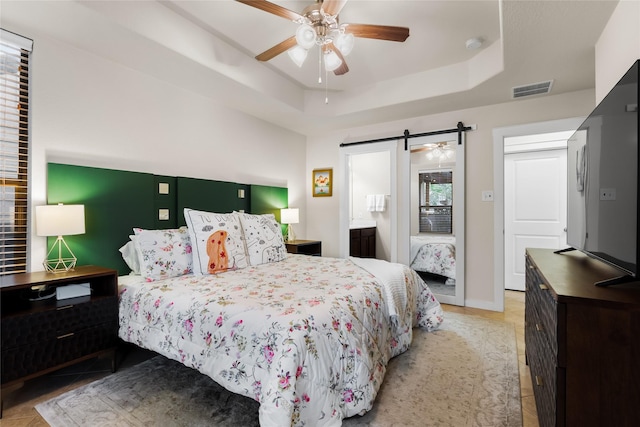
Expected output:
{"points": [[44, 335], [305, 247]]}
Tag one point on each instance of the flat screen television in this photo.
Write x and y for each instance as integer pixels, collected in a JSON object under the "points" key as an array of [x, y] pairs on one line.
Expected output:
{"points": [[602, 185]]}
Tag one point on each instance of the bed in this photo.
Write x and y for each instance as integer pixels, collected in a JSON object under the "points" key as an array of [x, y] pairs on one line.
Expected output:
{"points": [[307, 337], [435, 254]]}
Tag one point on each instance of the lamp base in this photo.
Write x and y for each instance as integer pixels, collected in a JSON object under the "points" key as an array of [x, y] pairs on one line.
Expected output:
{"points": [[59, 265], [291, 236]]}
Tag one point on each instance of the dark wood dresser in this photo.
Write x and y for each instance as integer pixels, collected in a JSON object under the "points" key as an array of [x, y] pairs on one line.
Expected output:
{"points": [[582, 341], [44, 335]]}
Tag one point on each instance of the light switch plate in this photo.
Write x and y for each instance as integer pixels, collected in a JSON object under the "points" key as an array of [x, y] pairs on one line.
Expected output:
{"points": [[163, 188], [163, 214]]}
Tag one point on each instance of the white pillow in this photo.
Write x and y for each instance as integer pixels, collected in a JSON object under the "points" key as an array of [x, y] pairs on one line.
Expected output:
{"points": [[130, 255], [163, 253], [263, 237], [218, 243]]}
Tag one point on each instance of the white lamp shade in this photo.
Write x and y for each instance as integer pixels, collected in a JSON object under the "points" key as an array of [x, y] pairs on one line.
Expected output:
{"points": [[59, 220], [297, 54], [331, 60], [289, 216], [344, 42], [306, 36]]}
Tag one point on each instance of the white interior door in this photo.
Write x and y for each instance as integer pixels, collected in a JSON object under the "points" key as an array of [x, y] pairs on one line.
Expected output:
{"points": [[535, 201]]}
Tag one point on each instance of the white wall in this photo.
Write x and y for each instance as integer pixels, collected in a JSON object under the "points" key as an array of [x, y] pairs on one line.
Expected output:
{"points": [[90, 111], [322, 151], [618, 46]]}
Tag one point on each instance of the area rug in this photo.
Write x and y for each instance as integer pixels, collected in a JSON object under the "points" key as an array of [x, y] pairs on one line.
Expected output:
{"points": [[464, 374]]}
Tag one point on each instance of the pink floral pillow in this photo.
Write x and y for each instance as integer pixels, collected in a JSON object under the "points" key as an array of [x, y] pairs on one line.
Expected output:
{"points": [[163, 253]]}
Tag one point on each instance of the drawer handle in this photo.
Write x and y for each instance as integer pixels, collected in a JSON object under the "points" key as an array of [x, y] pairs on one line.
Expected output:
{"points": [[65, 307], [539, 328], [539, 381], [543, 286], [70, 334]]}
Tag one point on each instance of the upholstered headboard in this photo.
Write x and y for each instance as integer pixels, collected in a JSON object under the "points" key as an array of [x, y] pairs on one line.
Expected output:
{"points": [[116, 201]]}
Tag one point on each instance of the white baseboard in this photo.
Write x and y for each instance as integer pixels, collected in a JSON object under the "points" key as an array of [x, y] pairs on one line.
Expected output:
{"points": [[483, 305]]}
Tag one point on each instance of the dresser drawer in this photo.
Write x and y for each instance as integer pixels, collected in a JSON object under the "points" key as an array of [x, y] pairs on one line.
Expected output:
{"points": [[541, 308], [41, 326], [26, 359], [547, 381]]}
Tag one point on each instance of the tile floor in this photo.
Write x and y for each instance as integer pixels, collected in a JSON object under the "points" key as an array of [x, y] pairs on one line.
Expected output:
{"points": [[19, 404]]}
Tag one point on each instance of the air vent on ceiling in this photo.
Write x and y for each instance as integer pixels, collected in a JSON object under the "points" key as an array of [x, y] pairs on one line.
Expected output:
{"points": [[532, 89]]}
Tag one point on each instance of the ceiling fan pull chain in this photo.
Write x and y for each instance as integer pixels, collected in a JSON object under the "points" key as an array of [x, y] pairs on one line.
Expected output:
{"points": [[326, 87], [319, 65]]}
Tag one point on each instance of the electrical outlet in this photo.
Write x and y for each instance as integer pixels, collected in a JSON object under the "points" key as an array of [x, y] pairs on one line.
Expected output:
{"points": [[487, 196], [607, 194]]}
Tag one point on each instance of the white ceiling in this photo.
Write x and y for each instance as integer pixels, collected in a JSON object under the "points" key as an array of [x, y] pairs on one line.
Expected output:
{"points": [[209, 46]]}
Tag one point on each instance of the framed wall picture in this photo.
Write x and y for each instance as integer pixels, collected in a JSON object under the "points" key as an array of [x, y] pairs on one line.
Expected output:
{"points": [[322, 182]]}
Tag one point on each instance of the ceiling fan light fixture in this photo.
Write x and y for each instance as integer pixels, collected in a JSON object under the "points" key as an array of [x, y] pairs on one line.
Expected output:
{"points": [[306, 36], [331, 60], [298, 54], [344, 42], [318, 25]]}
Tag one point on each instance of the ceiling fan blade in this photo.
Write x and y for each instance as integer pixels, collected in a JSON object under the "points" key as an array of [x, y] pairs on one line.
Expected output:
{"points": [[343, 68], [273, 8], [380, 32], [333, 7], [277, 49]]}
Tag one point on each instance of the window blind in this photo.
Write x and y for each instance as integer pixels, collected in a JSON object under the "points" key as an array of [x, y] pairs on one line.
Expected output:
{"points": [[14, 151]]}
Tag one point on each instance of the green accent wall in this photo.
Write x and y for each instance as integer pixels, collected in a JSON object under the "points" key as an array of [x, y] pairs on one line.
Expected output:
{"points": [[265, 199], [116, 201], [209, 196]]}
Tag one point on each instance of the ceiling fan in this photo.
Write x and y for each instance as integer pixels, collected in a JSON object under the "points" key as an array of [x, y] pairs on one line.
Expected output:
{"points": [[319, 26]]}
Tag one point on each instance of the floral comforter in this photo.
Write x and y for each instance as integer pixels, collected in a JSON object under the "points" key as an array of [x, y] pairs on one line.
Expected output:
{"points": [[308, 337], [434, 254]]}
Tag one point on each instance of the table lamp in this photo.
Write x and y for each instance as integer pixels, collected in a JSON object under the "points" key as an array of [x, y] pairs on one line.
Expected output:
{"points": [[59, 220], [289, 217]]}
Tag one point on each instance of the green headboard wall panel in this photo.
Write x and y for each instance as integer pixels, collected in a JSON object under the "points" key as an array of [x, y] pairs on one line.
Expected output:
{"points": [[265, 199], [209, 196], [116, 201]]}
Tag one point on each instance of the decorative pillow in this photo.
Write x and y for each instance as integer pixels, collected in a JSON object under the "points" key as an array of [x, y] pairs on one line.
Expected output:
{"points": [[218, 244], [130, 255], [263, 237], [163, 253]]}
